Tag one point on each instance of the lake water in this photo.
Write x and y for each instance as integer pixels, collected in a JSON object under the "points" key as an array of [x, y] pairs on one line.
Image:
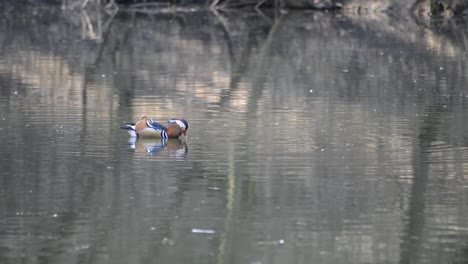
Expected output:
{"points": [[313, 138]]}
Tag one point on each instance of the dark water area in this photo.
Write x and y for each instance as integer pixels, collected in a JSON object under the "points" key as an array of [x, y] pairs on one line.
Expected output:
{"points": [[313, 138]]}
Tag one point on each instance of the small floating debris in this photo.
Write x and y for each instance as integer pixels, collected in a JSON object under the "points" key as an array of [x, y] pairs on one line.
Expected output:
{"points": [[81, 247], [168, 241], [203, 231], [271, 242]]}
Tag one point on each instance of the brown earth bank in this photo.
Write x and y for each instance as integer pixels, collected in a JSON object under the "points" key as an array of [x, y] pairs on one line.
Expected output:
{"points": [[436, 8]]}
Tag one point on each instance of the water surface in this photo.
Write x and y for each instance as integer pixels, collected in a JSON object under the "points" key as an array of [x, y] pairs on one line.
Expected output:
{"points": [[314, 138]]}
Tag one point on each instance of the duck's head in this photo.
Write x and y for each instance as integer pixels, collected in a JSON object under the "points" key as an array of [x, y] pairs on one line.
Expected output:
{"points": [[173, 131], [182, 123]]}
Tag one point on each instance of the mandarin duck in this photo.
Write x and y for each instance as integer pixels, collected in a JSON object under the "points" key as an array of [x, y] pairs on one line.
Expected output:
{"points": [[147, 128]]}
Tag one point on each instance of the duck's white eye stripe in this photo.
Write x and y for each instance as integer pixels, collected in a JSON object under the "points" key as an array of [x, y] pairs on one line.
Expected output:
{"points": [[180, 123]]}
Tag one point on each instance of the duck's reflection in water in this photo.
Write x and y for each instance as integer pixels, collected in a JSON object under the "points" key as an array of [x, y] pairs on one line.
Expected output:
{"points": [[173, 148]]}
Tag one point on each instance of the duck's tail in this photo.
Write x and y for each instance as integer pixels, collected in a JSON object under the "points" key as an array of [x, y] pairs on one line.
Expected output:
{"points": [[130, 127]]}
